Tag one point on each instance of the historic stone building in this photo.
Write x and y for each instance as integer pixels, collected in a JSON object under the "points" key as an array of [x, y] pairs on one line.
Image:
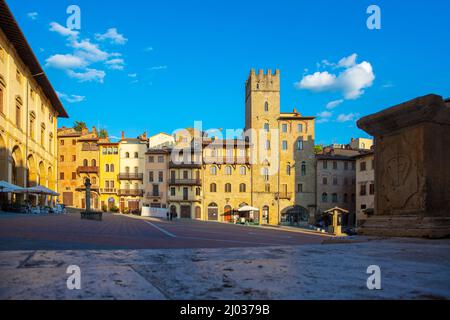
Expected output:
{"points": [[226, 177], [336, 182], [160, 140], [131, 175], [156, 177], [365, 185], [282, 153], [78, 160], [109, 174], [29, 108]]}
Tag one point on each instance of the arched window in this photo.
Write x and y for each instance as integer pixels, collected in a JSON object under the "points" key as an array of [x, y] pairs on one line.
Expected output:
{"points": [[324, 180], [127, 169], [334, 198], [93, 163], [127, 154], [303, 168], [94, 180], [111, 168], [265, 214], [228, 170], [85, 163], [324, 197], [266, 106], [213, 170], [106, 167], [228, 187], [266, 127], [198, 191], [288, 169], [243, 170], [213, 187], [136, 155], [265, 172], [242, 187]]}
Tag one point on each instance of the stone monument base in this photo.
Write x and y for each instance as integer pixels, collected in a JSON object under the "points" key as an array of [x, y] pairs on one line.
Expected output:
{"points": [[97, 216], [406, 226]]}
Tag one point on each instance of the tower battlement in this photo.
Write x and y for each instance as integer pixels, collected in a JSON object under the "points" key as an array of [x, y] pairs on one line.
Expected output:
{"points": [[263, 81]]}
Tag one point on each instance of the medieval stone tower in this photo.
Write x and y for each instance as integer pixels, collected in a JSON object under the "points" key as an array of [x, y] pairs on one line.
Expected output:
{"points": [[283, 174]]}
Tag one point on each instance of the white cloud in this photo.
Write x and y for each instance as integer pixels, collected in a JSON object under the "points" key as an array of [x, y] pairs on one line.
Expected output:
{"points": [[89, 51], [63, 31], [347, 62], [112, 35], [158, 68], [351, 82], [115, 64], [73, 98], [318, 81], [347, 117], [132, 75], [88, 75], [32, 15], [324, 116], [65, 61], [334, 104]]}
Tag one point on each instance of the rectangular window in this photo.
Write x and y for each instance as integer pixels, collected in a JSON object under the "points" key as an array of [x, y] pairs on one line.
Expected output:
{"points": [[285, 145], [161, 176], [185, 174], [74, 158], [62, 142], [300, 187], [151, 159], [372, 189], [335, 165], [335, 181], [61, 158], [362, 190], [61, 176], [362, 166], [150, 176], [74, 142], [74, 175], [325, 164], [172, 191], [161, 159], [299, 144], [346, 165], [284, 127], [299, 127]]}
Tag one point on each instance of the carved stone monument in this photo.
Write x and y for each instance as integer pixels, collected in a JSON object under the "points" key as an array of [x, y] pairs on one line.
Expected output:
{"points": [[412, 169]]}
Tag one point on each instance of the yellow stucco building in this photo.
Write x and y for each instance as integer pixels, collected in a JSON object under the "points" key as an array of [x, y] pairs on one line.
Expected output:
{"points": [[109, 171], [29, 108]]}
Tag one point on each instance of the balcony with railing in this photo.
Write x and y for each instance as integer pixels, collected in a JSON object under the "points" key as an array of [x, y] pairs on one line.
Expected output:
{"points": [[88, 169], [130, 176], [186, 182], [182, 164], [283, 195], [108, 190], [181, 198], [131, 192], [153, 195]]}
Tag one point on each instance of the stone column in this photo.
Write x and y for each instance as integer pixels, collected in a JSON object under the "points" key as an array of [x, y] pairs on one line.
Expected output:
{"points": [[412, 169]]}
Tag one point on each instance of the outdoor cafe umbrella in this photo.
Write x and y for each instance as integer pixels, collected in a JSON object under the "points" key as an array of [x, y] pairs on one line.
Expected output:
{"points": [[7, 187], [247, 208]]}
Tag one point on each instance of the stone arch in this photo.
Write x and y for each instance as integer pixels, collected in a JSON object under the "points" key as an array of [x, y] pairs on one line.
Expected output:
{"points": [[17, 167], [3, 160], [295, 214], [32, 172], [42, 175]]}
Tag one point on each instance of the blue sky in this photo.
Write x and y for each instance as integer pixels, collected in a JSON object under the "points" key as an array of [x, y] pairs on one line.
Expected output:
{"points": [[160, 65]]}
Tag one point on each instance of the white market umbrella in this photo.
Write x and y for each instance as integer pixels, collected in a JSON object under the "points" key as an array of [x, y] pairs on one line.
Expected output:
{"points": [[247, 208], [42, 190]]}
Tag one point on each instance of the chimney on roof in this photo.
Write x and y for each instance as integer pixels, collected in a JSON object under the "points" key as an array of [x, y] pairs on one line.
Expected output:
{"points": [[94, 130], [123, 135]]}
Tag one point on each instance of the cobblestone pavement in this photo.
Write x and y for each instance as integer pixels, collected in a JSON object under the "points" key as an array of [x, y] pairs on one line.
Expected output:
{"points": [[24, 232], [410, 269], [128, 258]]}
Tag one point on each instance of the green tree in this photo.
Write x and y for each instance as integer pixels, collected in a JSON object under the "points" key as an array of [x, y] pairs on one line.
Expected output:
{"points": [[318, 149], [103, 134], [79, 125]]}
